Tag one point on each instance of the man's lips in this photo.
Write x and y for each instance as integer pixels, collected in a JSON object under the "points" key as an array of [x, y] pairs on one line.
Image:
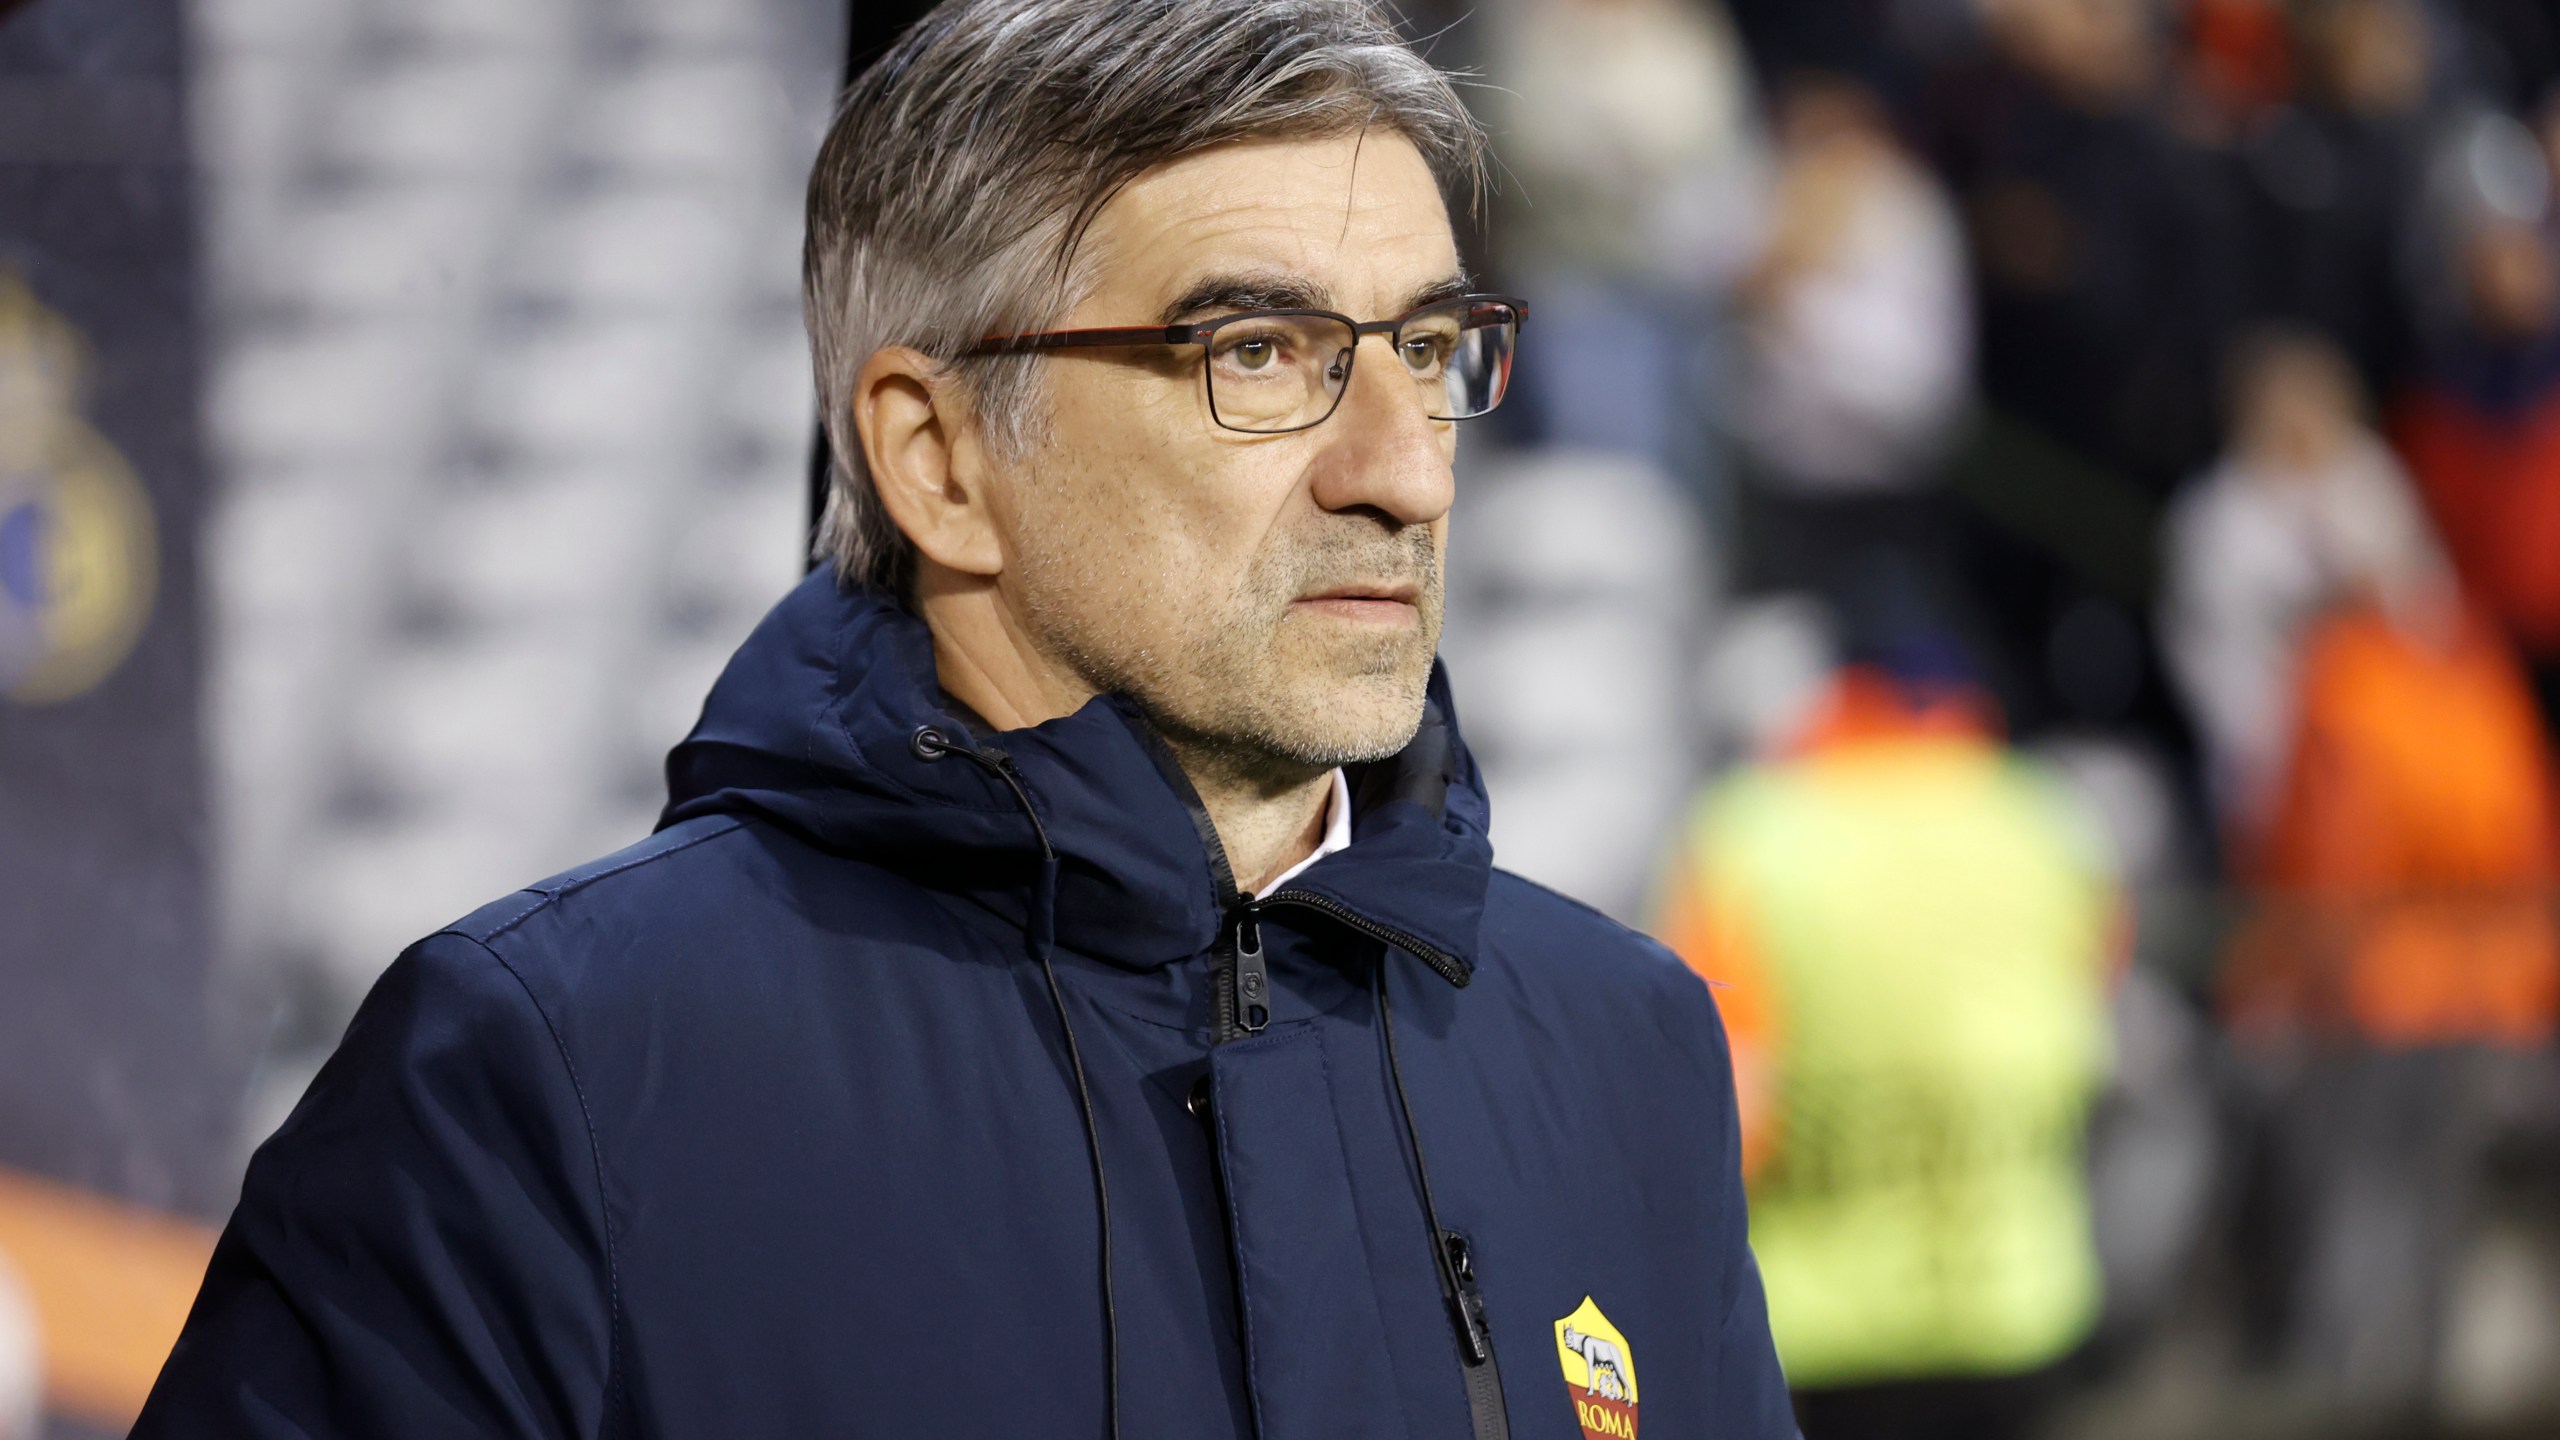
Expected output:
{"points": [[1394, 600]]}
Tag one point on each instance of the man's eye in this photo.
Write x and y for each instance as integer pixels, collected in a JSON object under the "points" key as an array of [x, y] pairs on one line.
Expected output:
{"points": [[1254, 353]]}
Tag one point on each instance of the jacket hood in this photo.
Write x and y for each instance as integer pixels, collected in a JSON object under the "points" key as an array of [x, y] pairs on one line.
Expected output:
{"points": [[812, 726]]}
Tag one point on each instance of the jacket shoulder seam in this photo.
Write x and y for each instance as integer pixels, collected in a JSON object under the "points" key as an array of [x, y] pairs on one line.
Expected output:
{"points": [[545, 895], [614, 1377]]}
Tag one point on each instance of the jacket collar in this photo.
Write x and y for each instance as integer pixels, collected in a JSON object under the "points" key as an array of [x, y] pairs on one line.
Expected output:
{"points": [[812, 725]]}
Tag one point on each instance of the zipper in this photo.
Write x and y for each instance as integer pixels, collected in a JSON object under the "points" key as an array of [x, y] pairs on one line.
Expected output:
{"points": [[1242, 982], [1244, 912], [1490, 1418], [1253, 975], [1242, 987], [1447, 966], [1466, 1301]]}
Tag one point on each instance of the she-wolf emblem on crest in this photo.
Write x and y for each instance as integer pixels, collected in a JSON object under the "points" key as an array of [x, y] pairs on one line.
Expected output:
{"points": [[1599, 1373]]}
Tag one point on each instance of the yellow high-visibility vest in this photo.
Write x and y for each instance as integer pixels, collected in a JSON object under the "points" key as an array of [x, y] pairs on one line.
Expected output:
{"points": [[1932, 929]]}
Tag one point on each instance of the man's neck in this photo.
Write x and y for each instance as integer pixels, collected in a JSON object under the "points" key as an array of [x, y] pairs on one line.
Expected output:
{"points": [[984, 657], [1269, 814]]}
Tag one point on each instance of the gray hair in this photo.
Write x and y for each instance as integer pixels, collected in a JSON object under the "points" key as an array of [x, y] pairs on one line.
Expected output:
{"points": [[964, 167]]}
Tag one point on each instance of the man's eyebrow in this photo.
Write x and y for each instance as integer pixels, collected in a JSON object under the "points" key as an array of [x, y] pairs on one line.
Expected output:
{"points": [[1447, 287], [1274, 291], [1262, 290]]}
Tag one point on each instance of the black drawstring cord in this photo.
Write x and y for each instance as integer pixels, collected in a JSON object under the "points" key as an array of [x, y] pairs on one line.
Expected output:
{"points": [[1040, 929], [1092, 1129], [1449, 1288], [1449, 1253]]}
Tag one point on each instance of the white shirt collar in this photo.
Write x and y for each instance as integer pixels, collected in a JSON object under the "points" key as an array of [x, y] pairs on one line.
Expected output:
{"points": [[1337, 833]]}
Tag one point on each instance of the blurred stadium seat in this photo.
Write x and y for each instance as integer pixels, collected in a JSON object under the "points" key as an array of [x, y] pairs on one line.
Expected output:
{"points": [[510, 394]]}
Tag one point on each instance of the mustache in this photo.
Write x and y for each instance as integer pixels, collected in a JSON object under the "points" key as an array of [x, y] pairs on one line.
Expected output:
{"points": [[1343, 560]]}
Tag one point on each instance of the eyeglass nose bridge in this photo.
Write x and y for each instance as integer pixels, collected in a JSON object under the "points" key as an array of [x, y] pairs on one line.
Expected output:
{"points": [[1350, 355]]}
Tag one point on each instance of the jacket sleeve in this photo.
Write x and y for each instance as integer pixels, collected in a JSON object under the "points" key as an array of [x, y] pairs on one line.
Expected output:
{"points": [[421, 1249]]}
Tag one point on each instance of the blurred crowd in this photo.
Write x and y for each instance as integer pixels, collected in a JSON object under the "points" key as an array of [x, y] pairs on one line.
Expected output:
{"points": [[2100, 461]]}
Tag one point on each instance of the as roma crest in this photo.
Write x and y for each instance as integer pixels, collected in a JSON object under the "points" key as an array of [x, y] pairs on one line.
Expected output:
{"points": [[1599, 1371]]}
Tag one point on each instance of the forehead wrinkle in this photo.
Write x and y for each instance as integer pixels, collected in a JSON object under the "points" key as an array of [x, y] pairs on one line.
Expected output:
{"points": [[1267, 227], [1265, 266], [1240, 239]]}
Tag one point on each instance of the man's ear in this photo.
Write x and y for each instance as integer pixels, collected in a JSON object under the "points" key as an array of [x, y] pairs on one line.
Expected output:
{"points": [[926, 462]]}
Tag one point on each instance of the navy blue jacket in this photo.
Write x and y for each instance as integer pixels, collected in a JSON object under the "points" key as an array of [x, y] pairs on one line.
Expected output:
{"points": [[773, 1125]]}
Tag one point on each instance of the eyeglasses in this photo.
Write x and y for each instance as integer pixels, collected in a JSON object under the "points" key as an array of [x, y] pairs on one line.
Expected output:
{"points": [[1273, 371]]}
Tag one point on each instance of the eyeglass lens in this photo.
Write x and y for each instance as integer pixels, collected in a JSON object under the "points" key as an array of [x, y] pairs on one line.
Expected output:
{"points": [[1270, 373]]}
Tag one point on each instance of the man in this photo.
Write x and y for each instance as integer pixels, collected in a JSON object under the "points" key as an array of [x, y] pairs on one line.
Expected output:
{"points": [[1069, 993]]}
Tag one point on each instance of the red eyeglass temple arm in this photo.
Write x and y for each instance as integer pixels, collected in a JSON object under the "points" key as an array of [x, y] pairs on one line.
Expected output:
{"points": [[1073, 339]]}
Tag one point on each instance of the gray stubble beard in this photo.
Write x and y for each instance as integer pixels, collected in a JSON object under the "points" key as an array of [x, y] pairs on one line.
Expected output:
{"points": [[1231, 705]]}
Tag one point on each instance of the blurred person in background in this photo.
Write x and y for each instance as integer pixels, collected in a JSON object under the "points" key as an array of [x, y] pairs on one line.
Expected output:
{"points": [[1911, 928], [1072, 926], [2397, 979], [2407, 852], [1857, 353], [2108, 272], [1631, 127], [2390, 790], [2307, 511], [2107, 262], [2335, 174], [2480, 426]]}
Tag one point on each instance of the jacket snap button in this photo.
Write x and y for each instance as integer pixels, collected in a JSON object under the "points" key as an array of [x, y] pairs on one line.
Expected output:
{"points": [[1198, 1104]]}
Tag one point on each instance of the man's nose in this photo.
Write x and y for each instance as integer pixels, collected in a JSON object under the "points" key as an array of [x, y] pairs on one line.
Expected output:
{"points": [[1381, 448]]}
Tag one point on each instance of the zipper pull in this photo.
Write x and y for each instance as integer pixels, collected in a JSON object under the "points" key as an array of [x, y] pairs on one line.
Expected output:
{"points": [[1475, 1335], [1253, 977]]}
